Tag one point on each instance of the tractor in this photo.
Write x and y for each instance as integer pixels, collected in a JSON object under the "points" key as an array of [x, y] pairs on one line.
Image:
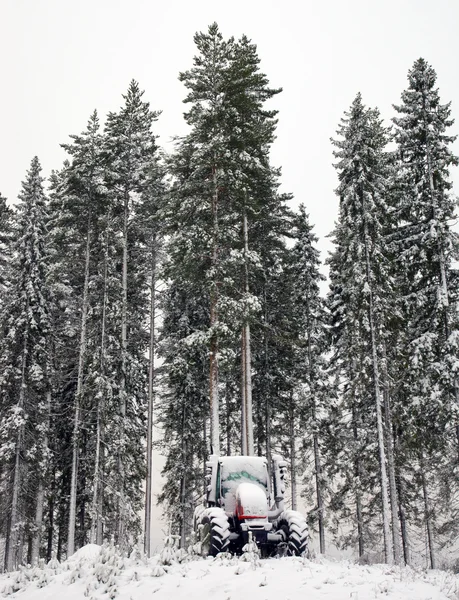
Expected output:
{"points": [[242, 503]]}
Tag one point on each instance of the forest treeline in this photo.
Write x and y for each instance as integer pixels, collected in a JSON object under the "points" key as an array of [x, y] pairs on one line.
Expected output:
{"points": [[133, 284]]}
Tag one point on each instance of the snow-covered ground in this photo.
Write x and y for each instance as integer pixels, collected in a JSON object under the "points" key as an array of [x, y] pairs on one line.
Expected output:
{"points": [[95, 574]]}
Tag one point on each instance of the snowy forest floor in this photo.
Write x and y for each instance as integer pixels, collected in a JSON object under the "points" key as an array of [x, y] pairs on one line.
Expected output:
{"points": [[95, 574]]}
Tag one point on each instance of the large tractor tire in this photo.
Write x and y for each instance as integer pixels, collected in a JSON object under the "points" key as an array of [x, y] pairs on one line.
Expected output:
{"points": [[213, 531], [295, 529]]}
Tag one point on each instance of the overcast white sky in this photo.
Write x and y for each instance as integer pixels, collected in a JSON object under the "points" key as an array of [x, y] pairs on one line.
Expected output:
{"points": [[60, 59]]}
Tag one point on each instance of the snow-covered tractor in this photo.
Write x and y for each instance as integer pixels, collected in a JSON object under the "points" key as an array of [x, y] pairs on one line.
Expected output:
{"points": [[241, 499]]}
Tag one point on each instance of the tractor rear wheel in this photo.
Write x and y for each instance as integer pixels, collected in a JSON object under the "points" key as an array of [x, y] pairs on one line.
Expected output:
{"points": [[213, 531], [295, 529]]}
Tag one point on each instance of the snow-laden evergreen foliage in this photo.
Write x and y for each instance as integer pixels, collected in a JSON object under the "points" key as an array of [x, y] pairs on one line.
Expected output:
{"points": [[131, 156], [359, 391], [25, 372], [5, 246], [359, 302], [309, 365], [425, 248]]}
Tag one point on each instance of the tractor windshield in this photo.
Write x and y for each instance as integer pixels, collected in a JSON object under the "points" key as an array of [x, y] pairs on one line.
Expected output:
{"points": [[235, 470]]}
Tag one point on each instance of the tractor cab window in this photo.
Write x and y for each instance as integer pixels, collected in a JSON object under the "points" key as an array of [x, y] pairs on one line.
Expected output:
{"points": [[235, 470]]}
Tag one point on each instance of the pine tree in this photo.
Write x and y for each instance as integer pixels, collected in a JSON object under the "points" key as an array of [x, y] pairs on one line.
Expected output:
{"points": [[25, 379], [222, 178]]}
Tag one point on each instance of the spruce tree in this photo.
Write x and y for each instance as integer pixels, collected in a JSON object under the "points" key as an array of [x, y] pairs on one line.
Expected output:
{"points": [[79, 203], [308, 309], [425, 247], [25, 380], [131, 157], [360, 286]]}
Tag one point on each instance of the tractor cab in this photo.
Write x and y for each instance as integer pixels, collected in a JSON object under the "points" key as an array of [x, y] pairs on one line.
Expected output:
{"points": [[234, 471]]}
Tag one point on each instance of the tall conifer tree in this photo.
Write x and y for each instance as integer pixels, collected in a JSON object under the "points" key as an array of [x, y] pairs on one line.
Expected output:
{"points": [[25, 368]]}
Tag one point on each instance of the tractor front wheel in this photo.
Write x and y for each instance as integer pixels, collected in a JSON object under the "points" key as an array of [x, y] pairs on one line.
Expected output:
{"points": [[295, 529], [213, 531]]}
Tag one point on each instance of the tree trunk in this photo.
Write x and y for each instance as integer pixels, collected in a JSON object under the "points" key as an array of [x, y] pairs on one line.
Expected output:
{"points": [[358, 495], [151, 398], [122, 394], [247, 420], [428, 515], [293, 452], [320, 504], [391, 465], [12, 556], [50, 536], [36, 540], [78, 397], [244, 440], [266, 394], [13, 538], [402, 513], [213, 366], [228, 418], [388, 549], [317, 462], [183, 482]]}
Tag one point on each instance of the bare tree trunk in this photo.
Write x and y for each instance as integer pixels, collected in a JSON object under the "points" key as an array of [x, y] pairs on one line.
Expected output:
{"points": [[402, 513], [320, 503], [122, 393], [96, 478], [50, 536], [13, 538], [244, 440], [267, 399], [388, 548], [183, 483], [391, 464], [12, 556], [317, 461], [358, 494], [293, 453], [213, 378], [246, 358], [428, 515], [78, 397], [36, 540], [97, 495], [151, 399], [228, 418]]}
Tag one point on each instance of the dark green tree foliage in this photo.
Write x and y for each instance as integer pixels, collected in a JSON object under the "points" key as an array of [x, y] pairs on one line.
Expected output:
{"points": [[360, 286], [184, 407], [25, 370], [221, 169], [77, 230]]}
